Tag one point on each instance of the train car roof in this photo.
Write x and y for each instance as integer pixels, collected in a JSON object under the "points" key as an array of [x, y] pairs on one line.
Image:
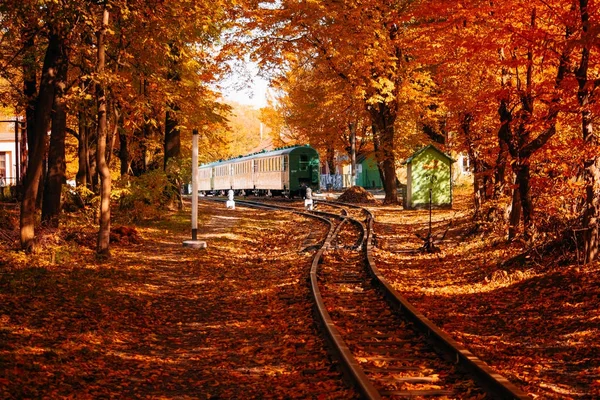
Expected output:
{"points": [[276, 152]]}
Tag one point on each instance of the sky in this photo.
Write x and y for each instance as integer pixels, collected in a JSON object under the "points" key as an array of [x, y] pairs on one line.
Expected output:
{"points": [[255, 95], [246, 87]]}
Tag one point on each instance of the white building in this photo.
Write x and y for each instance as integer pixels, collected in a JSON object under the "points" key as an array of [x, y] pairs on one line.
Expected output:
{"points": [[9, 150]]}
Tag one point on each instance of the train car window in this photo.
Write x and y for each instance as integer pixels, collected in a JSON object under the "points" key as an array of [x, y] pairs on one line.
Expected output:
{"points": [[285, 163], [303, 162]]}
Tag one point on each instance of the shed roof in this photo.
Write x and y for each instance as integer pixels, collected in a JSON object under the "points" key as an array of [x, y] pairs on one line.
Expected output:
{"points": [[441, 153]]}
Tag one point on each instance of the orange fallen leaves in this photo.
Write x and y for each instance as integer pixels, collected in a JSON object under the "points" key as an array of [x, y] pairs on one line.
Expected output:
{"points": [[536, 324], [157, 320]]}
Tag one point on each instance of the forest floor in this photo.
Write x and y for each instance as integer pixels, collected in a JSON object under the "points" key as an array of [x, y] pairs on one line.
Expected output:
{"points": [[535, 318], [157, 320], [234, 320]]}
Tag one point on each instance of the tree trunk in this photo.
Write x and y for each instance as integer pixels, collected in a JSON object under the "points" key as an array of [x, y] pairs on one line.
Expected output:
{"points": [[523, 180], [118, 123], [466, 122], [82, 151], [515, 215], [172, 135], [591, 165], [352, 128], [55, 177], [92, 147], [383, 117], [591, 174], [37, 139], [331, 159], [504, 135], [29, 90], [105, 183], [172, 147], [124, 152]]}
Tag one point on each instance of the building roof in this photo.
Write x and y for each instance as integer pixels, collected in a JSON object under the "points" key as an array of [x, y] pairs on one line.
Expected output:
{"points": [[441, 153]]}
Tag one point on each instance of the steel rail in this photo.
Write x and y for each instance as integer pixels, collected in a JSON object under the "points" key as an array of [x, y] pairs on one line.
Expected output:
{"points": [[496, 385], [350, 365]]}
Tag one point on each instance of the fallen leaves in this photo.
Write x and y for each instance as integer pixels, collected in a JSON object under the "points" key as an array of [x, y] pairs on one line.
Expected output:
{"points": [[536, 324], [157, 320]]}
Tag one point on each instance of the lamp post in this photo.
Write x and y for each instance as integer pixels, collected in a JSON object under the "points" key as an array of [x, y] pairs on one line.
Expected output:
{"points": [[194, 243]]}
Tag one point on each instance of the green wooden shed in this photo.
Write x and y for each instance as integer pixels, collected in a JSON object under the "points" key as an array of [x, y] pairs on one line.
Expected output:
{"points": [[429, 168], [368, 174]]}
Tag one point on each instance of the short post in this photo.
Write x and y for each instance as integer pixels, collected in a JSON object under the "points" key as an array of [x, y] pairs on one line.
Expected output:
{"points": [[230, 199], [194, 243], [308, 200]]}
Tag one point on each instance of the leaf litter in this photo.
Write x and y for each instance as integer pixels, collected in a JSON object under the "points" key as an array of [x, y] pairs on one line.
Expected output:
{"points": [[157, 320], [536, 322]]}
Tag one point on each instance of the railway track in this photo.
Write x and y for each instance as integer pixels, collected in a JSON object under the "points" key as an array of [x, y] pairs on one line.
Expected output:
{"points": [[387, 348]]}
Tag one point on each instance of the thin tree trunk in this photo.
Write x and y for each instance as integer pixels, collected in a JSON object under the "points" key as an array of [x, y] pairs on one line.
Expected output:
{"points": [[523, 180], [124, 152], [82, 151], [504, 135], [172, 135], [105, 183], [29, 90], [92, 166], [352, 128], [55, 178], [43, 108], [172, 143], [591, 165], [383, 117], [117, 118], [515, 215], [331, 159], [475, 163]]}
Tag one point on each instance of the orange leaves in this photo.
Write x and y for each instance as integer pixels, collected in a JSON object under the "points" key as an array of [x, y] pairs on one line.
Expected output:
{"points": [[157, 321], [534, 321]]}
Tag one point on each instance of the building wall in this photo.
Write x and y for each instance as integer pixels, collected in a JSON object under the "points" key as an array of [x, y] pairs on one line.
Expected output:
{"points": [[421, 168], [368, 173], [7, 154], [7, 149]]}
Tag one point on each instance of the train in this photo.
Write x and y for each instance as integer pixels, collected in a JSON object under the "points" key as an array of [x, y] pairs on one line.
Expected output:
{"points": [[284, 171]]}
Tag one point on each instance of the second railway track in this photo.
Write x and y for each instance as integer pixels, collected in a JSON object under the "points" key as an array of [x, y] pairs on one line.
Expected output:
{"points": [[386, 348]]}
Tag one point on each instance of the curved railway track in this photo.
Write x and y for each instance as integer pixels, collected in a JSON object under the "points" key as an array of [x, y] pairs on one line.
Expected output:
{"points": [[386, 347]]}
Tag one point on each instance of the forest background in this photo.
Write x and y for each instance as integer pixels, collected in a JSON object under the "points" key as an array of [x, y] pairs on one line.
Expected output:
{"points": [[121, 86]]}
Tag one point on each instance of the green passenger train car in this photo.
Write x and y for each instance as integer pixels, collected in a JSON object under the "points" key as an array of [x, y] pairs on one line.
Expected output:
{"points": [[282, 171]]}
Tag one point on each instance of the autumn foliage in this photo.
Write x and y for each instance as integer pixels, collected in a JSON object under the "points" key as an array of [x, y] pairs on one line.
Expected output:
{"points": [[107, 95]]}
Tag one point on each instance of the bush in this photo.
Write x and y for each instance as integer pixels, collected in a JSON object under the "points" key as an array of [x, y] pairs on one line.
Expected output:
{"points": [[145, 197]]}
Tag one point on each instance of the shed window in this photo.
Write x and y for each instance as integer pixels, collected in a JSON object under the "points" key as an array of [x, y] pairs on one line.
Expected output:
{"points": [[303, 162]]}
